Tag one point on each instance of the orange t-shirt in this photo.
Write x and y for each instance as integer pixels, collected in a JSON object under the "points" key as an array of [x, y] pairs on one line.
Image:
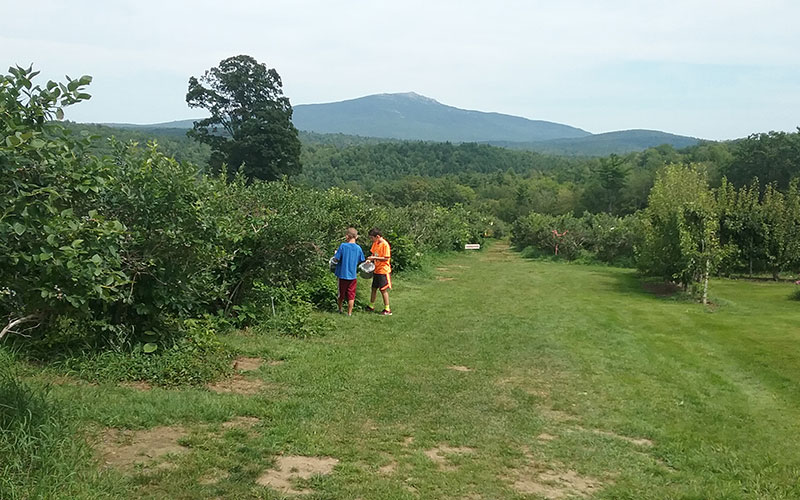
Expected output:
{"points": [[380, 248]]}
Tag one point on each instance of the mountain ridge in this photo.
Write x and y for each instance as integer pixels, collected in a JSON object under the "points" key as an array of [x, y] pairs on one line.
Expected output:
{"points": [[412, 116]]}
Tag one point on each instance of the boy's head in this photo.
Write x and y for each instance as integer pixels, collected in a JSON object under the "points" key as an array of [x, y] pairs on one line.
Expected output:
{"points": [[374, 233], [351, 233]]}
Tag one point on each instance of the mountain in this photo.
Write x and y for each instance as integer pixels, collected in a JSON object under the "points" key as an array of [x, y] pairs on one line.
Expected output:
{"points": [[411, 116]]}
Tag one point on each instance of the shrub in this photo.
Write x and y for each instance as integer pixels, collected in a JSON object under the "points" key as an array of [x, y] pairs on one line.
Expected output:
{"points": [[193, 356], [590, 238]]}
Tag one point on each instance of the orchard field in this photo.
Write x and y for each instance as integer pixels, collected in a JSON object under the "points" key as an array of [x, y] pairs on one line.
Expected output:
{"points": [[497, 377]]}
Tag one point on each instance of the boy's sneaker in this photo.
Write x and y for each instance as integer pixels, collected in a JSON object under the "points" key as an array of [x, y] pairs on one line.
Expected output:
{"points": [[385, 313], [370, 309]]}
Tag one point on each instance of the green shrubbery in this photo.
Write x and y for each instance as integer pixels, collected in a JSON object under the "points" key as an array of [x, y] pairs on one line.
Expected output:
{"points": [[589, 238], [118, 254]]}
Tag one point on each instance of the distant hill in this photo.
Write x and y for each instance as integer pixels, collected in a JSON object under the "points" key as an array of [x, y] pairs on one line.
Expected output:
{"points": [[620, 142], [410, 116], [414, 117], [180, 124]]}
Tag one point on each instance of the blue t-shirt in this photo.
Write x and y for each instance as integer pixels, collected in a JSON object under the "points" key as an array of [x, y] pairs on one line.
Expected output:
{"points": [[350, 256]]}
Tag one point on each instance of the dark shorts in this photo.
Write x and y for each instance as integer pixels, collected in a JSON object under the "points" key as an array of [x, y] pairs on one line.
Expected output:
{"points": [[382, 281], [347, 289]]}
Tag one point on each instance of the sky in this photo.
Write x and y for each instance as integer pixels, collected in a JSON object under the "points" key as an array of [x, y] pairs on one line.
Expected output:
{"points": [[708, 69]]}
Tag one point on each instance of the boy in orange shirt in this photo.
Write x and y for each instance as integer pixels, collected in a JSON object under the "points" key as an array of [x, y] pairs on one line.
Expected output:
{"points": [[382, 276]]}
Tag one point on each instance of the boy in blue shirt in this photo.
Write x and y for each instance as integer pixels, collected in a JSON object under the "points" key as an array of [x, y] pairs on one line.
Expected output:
{"points": [[349, 255]]}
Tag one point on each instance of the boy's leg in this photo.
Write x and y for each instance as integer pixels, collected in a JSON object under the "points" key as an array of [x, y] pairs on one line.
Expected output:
{"points": [[351, 296], [340, 297], [385, 295], [372, 297]]}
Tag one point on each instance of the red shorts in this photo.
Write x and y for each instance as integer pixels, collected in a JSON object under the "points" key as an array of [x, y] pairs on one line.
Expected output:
{"points": [[347, 289]]}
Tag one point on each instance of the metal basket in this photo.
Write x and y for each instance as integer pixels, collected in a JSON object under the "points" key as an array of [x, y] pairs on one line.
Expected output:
{"points": [[366, 268]]}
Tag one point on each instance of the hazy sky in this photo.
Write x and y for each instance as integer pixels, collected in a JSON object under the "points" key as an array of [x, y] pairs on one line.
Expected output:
{"points": [[709, 69]]}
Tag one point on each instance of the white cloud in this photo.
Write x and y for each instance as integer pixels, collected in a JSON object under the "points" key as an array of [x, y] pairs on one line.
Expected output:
{"points": [[530, 58]]}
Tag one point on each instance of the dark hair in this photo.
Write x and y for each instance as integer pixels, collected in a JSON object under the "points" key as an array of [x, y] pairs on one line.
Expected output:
{"points": [[375, 232]]}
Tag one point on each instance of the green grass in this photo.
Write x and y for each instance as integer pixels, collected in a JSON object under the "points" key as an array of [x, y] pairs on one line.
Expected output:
{"points": [[567, 364]]}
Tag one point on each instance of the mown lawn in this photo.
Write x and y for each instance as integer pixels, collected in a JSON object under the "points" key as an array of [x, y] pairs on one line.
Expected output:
{"points": [[495, 378]]}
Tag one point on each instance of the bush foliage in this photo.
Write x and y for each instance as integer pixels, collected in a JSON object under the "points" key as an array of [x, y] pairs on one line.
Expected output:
{"points": [[591, 237], [118, 251]]}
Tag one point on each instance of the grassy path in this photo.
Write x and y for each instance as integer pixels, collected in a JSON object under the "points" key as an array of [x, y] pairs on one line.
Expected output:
{"points": [[498, 378]]}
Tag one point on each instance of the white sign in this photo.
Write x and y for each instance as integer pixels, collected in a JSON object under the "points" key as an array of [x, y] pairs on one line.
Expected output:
{"points": [[472, 246]]}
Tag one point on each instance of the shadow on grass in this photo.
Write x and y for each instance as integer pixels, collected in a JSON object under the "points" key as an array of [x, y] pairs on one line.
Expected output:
{"points": [[631, 283]]}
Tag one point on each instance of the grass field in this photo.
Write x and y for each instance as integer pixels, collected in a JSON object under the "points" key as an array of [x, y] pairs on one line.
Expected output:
{"points": [[496, 377]]}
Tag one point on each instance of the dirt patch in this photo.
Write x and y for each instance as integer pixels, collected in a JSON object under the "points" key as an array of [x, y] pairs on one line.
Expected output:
{"points": [[557, 415], [443, 269], [524, 385], [238, 385], [637, 441], [124, 448], [408, 441], [213, 477], [546, 437], [137, 385], [460, 368], [444, 278], [662, 289], [275, 362], [290, 468], [439, 454], [554, 485], [369, 425], [388, 469], [557, 485], [241, 423], [247, 364]]}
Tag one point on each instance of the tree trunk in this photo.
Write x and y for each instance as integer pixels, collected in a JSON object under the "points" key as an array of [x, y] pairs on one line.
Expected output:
{"points": [[705, 281]]}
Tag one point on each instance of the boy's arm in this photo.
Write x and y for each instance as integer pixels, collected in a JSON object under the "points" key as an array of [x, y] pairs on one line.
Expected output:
{"points": [[381, 249]]}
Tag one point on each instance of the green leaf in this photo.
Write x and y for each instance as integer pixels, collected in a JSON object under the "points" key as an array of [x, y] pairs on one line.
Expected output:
{"points": [[150, 332], [97, 259], [76, 243], [19, 229], [60, 114], [150, 347]]}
